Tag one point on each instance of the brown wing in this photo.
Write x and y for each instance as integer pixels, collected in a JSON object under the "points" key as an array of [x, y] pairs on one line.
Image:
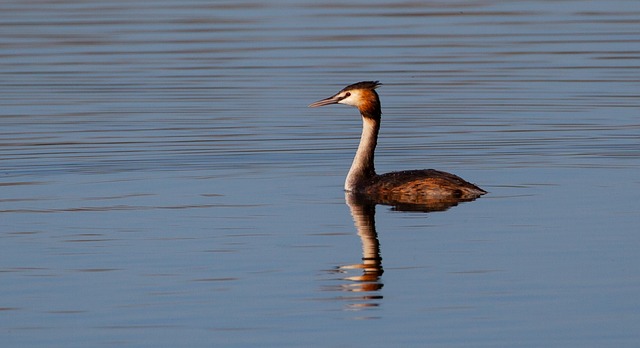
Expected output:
{"points": [[415, 186]]}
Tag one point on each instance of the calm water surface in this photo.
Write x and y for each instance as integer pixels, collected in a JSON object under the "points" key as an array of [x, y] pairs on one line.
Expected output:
{"points": [[163, 183]]}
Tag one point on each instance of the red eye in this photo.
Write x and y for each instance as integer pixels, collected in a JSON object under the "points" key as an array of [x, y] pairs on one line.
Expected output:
{"points": [[348, 94]]}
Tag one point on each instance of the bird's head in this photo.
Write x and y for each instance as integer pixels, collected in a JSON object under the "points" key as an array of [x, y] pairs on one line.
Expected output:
{"points": [[361, 95]]}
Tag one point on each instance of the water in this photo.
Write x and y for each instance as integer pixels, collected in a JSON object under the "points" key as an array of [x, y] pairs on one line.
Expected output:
{"points": [[164, 184]]}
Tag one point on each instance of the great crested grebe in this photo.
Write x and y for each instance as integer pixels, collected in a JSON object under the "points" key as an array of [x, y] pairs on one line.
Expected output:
{"points": [[410, 185]]}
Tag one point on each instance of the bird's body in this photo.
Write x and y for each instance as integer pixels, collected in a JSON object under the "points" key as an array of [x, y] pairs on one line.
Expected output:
{"points": [[404, 186]]}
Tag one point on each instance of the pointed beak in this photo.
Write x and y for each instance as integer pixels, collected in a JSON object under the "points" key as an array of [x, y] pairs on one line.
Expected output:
{"points": [[328, 101]]}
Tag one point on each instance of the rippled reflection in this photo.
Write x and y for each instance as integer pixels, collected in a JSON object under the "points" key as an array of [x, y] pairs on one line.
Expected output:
{"points": [[368, 281]]}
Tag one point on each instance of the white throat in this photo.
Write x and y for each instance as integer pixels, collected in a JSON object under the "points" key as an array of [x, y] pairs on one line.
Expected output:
{"points": [[362, 167]]}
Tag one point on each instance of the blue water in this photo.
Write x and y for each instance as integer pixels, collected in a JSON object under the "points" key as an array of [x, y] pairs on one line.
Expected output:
{"points": [[162, 182]]}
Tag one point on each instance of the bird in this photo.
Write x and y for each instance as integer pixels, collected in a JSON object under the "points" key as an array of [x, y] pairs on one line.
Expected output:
{"points": [[409, 186]]}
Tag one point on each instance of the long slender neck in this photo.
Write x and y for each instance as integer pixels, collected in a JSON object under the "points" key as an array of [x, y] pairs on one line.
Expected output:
{"points": [[362, 167]]}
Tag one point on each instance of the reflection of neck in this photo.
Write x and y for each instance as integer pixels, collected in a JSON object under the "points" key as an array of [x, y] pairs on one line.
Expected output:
{"points": [[365, 221], [362, 167]]}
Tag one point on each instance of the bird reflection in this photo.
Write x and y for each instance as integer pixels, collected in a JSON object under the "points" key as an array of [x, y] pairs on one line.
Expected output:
{"points": [[363, 210]]}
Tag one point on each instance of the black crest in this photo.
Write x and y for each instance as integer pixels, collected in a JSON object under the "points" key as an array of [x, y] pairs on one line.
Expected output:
{"points": [[363, 85]]}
